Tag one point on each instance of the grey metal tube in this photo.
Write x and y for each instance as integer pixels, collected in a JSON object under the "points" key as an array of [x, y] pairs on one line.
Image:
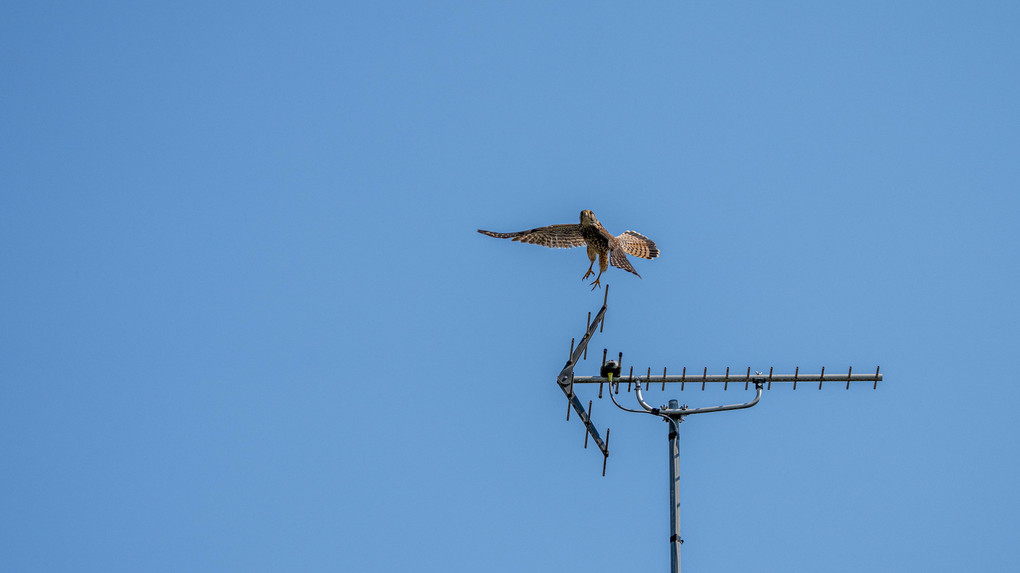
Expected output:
{"points": [[649, 410], [757, 396], [641, 400], [758, 383]]}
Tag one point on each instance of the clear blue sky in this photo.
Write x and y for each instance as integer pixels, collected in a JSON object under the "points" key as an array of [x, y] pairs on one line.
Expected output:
{"points": [[247, 323]]}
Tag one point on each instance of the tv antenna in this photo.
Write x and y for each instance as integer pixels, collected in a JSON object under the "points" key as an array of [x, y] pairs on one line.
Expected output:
{"points": [[673, 413]]}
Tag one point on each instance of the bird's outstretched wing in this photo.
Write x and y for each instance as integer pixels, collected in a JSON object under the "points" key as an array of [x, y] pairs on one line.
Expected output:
{"points": [[619, 260], [638, 245], [556, 236]]}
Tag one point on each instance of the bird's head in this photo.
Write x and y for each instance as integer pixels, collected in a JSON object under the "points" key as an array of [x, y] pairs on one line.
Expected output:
{"points": [[588, 217]]}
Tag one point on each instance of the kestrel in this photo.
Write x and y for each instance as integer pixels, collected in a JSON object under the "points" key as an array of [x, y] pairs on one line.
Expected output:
{"points": [[607, 248]]}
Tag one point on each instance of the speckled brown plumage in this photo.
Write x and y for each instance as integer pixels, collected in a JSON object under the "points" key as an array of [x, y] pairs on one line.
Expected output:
{"points": [[601, 244]]}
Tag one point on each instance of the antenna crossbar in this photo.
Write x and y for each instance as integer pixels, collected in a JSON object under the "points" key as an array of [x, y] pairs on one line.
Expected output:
{"points": [[724, 378]]}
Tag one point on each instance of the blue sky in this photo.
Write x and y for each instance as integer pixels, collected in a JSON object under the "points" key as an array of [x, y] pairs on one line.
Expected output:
{"points": [[248, 324]]}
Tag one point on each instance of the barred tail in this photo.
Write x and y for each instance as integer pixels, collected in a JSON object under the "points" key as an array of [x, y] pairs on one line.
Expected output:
{"points": [[620, 261]]}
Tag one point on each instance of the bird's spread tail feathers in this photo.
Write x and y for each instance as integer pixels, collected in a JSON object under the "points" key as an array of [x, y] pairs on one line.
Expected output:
{"points": [[620, 261]]}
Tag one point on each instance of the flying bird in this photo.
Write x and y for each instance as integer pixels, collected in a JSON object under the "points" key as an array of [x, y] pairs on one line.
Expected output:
{"points": [[601, 245]]}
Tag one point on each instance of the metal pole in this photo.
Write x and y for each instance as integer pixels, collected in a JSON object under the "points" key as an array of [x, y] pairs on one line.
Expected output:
{"points": [[674, 488], [734, 378]]}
